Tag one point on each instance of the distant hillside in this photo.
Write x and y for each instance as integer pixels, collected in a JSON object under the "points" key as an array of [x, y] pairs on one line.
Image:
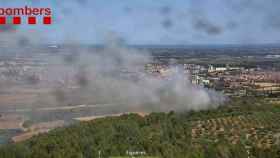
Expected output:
{"points": [[245, 127]]}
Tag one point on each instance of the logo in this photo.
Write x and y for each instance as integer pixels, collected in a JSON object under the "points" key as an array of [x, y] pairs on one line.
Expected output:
{"points": [[28, 15]]}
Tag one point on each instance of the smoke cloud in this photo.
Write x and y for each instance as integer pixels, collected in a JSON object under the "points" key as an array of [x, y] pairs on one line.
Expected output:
{"points": [[115, 75]]}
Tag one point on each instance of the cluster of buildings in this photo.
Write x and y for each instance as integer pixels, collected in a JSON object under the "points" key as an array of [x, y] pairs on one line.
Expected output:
{"points": [[19, 73], [232, 80]]}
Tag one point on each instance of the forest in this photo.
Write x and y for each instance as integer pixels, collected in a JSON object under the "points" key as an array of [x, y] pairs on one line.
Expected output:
{"points": [[247, 127]]}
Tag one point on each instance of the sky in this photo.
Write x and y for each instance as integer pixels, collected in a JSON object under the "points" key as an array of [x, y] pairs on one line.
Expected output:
{"points": [[157, 22]]}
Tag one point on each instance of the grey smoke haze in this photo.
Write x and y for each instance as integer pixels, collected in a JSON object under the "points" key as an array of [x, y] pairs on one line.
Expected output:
{"points": [[139, 22], [143, 22], [115, 75]]}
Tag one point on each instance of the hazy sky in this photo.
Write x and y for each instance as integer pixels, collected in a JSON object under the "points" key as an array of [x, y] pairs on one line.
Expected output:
{"points": [[159, 21]]}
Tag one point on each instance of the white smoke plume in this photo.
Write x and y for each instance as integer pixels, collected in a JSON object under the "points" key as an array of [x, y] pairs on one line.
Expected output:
{"points": [[115, 75]]}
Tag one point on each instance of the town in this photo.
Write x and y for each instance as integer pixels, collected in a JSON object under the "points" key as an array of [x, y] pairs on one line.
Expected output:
{"points": [[232, 81], [25, 81]]}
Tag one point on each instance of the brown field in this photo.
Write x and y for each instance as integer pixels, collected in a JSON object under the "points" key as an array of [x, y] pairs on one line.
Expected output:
{"points": [[36, 129], [27, 135], [7, 100], [90, 118], [11, 122]]}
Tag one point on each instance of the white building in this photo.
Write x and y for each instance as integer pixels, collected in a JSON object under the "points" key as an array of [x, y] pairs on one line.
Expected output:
{"points": [[215, 69]]}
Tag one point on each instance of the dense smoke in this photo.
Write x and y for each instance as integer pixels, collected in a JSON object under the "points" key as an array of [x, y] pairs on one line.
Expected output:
{"points": [[113, 75], [116, 75]]}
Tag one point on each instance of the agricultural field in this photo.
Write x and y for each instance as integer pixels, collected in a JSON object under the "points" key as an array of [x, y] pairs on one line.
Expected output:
{"points": [[258, 129]]}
